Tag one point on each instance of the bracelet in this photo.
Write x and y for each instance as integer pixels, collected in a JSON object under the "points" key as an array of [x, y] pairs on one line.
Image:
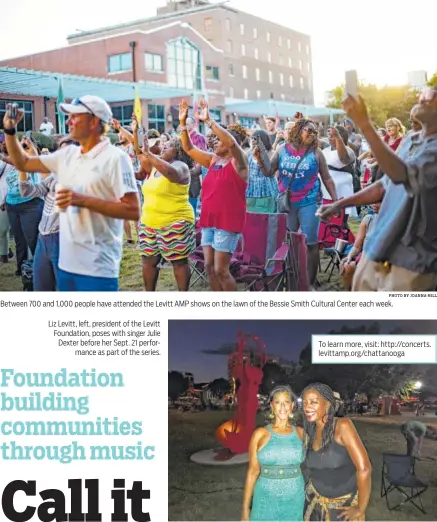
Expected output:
{"points": [[209, 122], [184, 129], [10, 132]]}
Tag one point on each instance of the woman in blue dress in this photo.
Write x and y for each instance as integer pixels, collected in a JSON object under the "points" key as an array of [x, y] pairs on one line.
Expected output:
{"points": [[274, 482]]}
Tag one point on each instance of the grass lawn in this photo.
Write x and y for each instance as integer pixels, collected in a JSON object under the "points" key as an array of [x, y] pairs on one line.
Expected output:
{"points": [[215, 493], [131, 277]]}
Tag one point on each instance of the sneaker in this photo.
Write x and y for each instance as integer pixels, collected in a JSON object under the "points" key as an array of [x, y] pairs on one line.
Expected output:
{"points": [[11, 254]]}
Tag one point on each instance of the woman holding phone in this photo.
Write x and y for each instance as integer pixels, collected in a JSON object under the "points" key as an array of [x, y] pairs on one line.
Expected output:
{"points": [[262, 191]]}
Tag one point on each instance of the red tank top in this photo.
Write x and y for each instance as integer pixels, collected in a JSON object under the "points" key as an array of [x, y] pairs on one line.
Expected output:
{"points": [[223, 199]]}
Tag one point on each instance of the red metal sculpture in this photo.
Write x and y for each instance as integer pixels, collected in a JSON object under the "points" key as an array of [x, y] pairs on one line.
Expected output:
{"points": [[247, 369]]}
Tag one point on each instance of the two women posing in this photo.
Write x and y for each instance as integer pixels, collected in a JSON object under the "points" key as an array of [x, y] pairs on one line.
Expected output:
{"points": [[318, 472]]}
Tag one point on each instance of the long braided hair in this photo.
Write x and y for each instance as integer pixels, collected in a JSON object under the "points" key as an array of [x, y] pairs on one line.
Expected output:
{"points": [[310, 427], [295, 135]]}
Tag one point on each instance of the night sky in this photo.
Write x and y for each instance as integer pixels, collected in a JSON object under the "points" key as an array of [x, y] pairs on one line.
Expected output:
{"points": [[201, 347]]}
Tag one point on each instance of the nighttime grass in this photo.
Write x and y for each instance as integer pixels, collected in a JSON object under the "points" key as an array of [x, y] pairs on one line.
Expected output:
{"points": [[201, 493], [131, 278]]}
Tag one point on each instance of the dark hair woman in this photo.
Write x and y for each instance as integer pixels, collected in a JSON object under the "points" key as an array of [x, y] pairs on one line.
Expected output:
{"points": [[223, 211], [262, 191], [299, 162], [337, 466], [167, 221], [274, 480]]}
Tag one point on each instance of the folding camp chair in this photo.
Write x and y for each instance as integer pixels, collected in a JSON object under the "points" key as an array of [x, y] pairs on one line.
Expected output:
{"points": [[398, 473], [264, 262], [337, 228]]}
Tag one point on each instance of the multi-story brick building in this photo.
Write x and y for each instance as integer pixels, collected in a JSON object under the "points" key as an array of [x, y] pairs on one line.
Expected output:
{"points": [[194, 46]]}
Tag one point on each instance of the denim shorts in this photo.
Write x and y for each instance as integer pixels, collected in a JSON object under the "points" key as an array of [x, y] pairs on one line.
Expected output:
{"points": [[305, 219], [220, 240]]}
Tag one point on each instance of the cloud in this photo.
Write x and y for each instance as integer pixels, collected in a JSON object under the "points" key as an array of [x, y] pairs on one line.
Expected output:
{"points": [[224, 349]]}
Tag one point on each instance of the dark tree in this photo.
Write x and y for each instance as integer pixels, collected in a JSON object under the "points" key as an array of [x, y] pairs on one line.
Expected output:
{"points": [[220, 387], [177, 385], [273, 375]]}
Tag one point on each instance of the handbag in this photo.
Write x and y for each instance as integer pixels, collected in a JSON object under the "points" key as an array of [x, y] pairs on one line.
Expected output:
{"points": [[283, 200]]}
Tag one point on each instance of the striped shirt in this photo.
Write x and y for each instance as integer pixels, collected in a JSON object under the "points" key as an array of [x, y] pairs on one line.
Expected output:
{"points": [[46, 189], [260, 186]]}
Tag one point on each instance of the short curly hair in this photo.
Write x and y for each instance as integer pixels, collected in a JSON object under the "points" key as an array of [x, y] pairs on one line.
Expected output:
{"points": [[295, 134], [181, 155]]}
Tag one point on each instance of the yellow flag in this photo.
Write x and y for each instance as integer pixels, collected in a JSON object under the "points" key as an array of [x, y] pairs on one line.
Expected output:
{"points": [[137, 108]]}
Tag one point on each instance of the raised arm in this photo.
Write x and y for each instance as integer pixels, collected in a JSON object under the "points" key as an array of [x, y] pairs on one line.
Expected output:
{"points": [[357, 452], [199, 156], [343, 153], [176, 172], [124, 132], [326, 177], [253, 472], [21, 161]]}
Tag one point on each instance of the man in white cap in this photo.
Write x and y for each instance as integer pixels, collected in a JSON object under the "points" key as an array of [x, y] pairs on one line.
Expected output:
{"points": [[96, 192]]}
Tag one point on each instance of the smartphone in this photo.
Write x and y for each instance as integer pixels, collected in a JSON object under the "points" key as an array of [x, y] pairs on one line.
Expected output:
{"points": [[13, 111], [351, 84]]}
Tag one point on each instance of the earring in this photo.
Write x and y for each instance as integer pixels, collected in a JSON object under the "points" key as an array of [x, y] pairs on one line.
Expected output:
{"points": [[271, 415], [291, 416]]}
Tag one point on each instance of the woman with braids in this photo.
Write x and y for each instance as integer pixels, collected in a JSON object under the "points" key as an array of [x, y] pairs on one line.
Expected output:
{"points": [[299, 162], [337, 466], [274, 479], [223, 211], [167, 229]]}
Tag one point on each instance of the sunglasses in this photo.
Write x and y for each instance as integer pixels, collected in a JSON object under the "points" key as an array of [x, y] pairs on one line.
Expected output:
{"points": [[311, 130], [77, 101], [427, 95]]}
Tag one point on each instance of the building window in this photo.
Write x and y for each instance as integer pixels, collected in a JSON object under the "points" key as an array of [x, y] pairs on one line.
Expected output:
{"points": [[282, 96], [245, 72], [307, 48], [258, 94], [123, 113], [299, 47], [291, 81], [290, 62], [184, 65], [212, 73], [281, 79], [258, 74], [243, 50], [288, 43], [300, 65], [302, 83], [229, 46], [228, 24], [255, 33], [208, 24], [309, 67], [231, 69], [242, 29], [280, 41], [269, 57], [154, 62], [248, 123], [120, 62], [281, 60], [269, 37], [270, 77], [26, 124], [156, 117], [231, 92], [246, 94]]}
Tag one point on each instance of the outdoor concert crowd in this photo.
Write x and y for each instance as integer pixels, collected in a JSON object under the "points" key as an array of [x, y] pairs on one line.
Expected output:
{"points": [[185, 198]]}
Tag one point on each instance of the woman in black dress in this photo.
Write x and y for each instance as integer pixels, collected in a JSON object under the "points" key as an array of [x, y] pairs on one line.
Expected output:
{"points": [[337, 467]]}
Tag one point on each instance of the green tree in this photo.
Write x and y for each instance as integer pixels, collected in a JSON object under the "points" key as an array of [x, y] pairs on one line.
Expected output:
{"points": [[382, 102], [433, 80], [177, 385]]}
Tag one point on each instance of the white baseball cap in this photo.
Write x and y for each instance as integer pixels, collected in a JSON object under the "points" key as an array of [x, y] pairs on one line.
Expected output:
{"points": [[88, 105]]}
